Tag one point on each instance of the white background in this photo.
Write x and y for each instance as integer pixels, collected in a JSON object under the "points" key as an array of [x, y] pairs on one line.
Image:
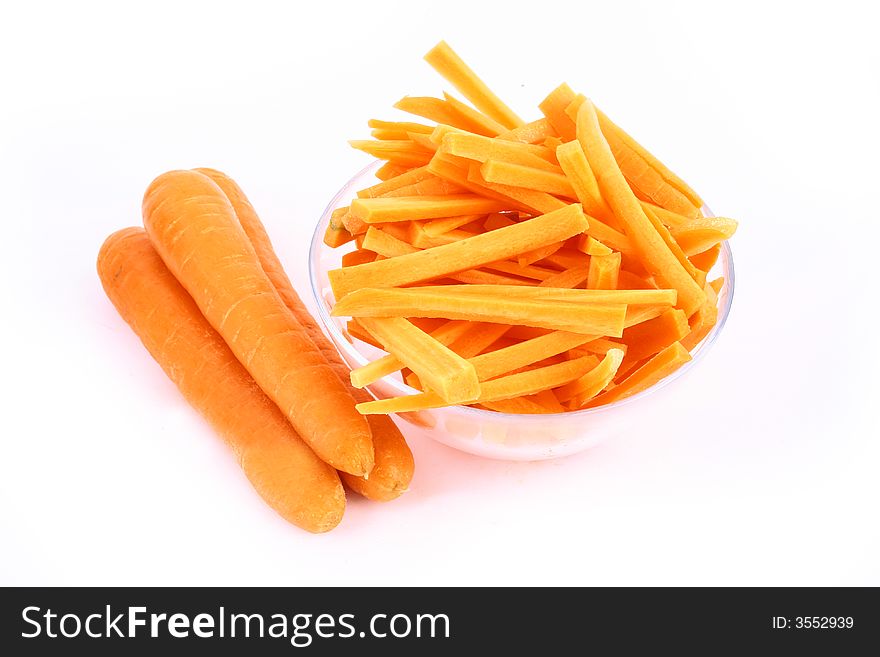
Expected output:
{"points": [[764, 468]]}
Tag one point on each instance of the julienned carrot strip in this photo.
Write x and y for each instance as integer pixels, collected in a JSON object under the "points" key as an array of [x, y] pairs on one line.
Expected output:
{"points": [[431, 108], [537, 255], [702, 234], [507, 359], [506, 387], [498, 220], [568, 278], [506, 173], [478, 338], [603, 272], [336, 234], [669, 218], [658, 259], [627, 280], [717, 285], [553, 107], [674, 247], [656, 369], [480, 277], [627, 297], [445, 334], [446, 373], [420, 238], [532, 200], [548, 401], [534, 132], [466, 254], [528, 271], [435, 227], [405, 208], [448, 64], [581, 390], [583, 182], [455, 170], [481, 124], [646, 339], [393, 461], [431, 186], [618, 134], [399, 128], [521, 405], [391, 170], [422, 140], [602, 346], [385, 244], [598, 319], [403, 180], [591, 246], [358, 257], [638, 314], [702, 321], [403, 152], [195, 230], [706, 260], [480, 149], [280, 466]]}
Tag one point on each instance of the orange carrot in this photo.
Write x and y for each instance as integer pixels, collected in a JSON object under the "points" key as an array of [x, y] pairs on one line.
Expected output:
{"points": [[448, 64], [582, 180], [568, 277], [405, 208], [553, 107], [506, 173], [706, 260], [410, 177], [701, 235], [195, 230], [358, 257], [646, 339], [393, 461], [534, 132], [481, 149], [280, 466], [592, 246]]}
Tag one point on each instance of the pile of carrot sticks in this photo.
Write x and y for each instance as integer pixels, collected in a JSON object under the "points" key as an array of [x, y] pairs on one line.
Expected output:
{"points": [[206, 294], [522, 267]]}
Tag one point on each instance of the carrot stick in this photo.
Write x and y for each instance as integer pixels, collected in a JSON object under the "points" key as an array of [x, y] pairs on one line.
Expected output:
{"points": [[355, 330], [646, 339], [404, 152], [445, 334], [592, 319], [553, 107], [673, 247], [531, 200], [523, 405], [516, 175], [669, 218], [280, 466], [569, 277], [435, 227], [527, 271], [403, 180], [397, 129], [656, 369], [626, 297], [390, 170], [495, 363], [358, 257], [537, 255], [618, 135], [446, 373], [431, 186], [336, 234], [534, 132], [448, 64], [480, 277], [701, 235], [393, 461], [657, 257], [477, 338], [580, 391], [592, 246], [706, 260], [193, 226], [702, 321], [459, 256], [434, 109], [506, 387], [385, 244], [583, 181], [481, 149], [479, 123], [405, 208], [603, 272]]}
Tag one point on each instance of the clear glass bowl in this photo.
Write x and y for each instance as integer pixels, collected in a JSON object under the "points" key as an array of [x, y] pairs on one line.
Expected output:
{"points": [[488, 433]]}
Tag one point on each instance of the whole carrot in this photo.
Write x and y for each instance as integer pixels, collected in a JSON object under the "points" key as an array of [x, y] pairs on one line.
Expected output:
{"points": [[285, 472], [195, 230], [394, 465]]}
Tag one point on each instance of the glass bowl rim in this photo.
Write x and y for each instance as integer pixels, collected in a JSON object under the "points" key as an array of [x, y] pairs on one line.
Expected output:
{"points": [[340, 341]]}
